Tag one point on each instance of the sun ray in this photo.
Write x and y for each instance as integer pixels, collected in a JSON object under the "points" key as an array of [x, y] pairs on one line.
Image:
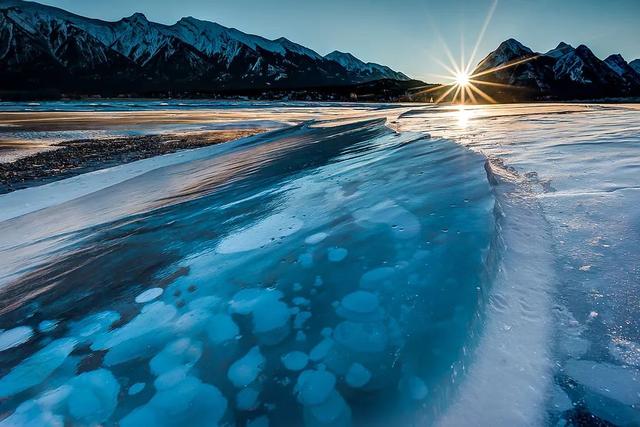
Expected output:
{"points": [[505, 66], [483, 94], [445, 94], [471, 95], [485, 25], [483, 82]]}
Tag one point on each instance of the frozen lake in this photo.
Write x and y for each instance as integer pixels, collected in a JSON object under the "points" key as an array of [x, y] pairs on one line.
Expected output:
{"points": [[366, 265]]}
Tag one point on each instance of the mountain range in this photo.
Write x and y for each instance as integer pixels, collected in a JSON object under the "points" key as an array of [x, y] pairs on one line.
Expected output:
{"points": [[46, 47], [513, 72]]}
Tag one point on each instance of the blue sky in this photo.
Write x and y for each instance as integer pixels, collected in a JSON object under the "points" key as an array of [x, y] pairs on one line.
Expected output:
{"points": [[404, 34]]}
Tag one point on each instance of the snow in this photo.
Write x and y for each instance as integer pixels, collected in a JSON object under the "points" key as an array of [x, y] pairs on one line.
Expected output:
{"points": [[295, 361], [149, 295], [245, 370], [15, 337]]}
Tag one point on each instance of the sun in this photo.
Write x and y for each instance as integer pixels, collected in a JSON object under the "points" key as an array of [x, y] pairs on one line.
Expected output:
{"points": [[462, 79]]}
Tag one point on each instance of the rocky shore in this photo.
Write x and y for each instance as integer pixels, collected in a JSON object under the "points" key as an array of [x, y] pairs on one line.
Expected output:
{"points": [[72, 158]]}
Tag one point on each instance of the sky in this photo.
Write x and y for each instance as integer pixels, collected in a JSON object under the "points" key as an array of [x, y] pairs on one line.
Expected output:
{"points": [[407, 35]]}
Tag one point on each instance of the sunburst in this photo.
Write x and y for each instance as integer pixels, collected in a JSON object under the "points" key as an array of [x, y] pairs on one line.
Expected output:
{"points": [[462, 85]]}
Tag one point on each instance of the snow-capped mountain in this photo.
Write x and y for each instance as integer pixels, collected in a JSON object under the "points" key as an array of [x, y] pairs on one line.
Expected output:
{"points": [[623, 69], [366, 70], [635, 64], [562, 73], [43, 46]]}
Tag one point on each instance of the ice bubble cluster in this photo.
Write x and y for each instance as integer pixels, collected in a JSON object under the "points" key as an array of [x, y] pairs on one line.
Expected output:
{"points": [[37, 368]]}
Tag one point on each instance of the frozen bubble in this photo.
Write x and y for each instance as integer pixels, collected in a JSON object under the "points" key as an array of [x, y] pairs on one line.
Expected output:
{"points": [[192, 322], [245, 370], [143, 335], [136, 388], [189, 403], [334, 411], [154, 316], [314, 387], [314, 239], [246, 300], [270, 315], [326, 332], [297, 287], [360, 302], [336, 254], [47, 325], [15, 337], [301, 336], [222, 329], [321, 350], [87, 329], [300, 301], [37, 368], [417, 388], [262, 421], [362, 337], [300, 319], [149, 295], [182, 352], [169, 379], [265, 232], [377, 278], [405, 225], [295, 361], [357, 376], [94, 396], [247, 399], [204, 303], [306, 260]]}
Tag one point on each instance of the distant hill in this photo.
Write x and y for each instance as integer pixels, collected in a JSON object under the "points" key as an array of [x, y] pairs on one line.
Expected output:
{"points": [[43, 47], [563, 73]]}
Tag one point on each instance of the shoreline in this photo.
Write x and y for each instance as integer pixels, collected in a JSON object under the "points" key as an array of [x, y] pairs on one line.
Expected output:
{"points": [[71, 158]]}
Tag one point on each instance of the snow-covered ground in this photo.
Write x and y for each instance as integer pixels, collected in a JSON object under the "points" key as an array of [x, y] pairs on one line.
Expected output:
{"points": [[383, 265]]}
